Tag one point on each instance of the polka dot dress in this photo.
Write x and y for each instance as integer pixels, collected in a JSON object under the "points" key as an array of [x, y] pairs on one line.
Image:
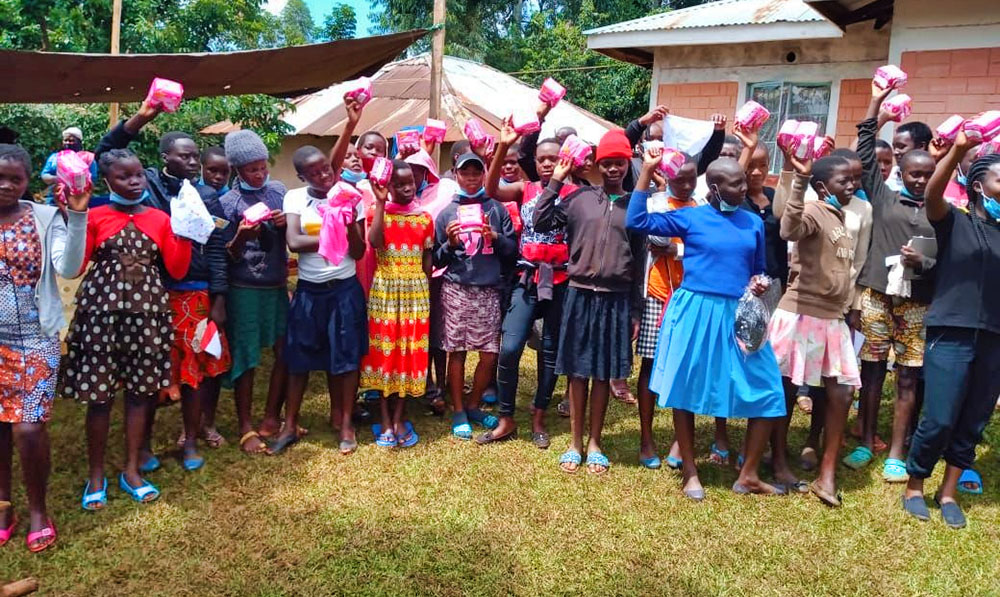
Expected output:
{"points": [[121, 333]]}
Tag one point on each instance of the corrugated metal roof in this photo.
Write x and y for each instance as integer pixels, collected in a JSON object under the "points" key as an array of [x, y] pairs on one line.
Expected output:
{"points": [[722, 13]]}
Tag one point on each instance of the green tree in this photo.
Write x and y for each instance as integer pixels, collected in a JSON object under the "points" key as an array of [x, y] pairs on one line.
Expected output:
{"points": [[340, 23], [297, 24]]}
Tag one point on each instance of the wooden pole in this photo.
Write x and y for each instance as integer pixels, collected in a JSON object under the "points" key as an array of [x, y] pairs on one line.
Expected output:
{"points": [[437, 66], [116, 33]]}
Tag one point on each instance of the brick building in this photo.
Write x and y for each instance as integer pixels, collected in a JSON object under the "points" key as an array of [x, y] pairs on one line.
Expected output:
{"points": [[813, 59]]}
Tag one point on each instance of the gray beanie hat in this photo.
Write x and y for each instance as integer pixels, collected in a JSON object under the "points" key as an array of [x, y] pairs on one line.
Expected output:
{"points": [[244, 146]]}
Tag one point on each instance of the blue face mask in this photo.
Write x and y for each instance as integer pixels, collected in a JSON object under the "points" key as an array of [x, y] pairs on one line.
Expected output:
{"points": [[905, 192], [992, 207], [247, 187], [723, 206], [962, 179], [424, 185], [861, 194], [352, 177], [476, 195], [119, 200], [834, 202]]}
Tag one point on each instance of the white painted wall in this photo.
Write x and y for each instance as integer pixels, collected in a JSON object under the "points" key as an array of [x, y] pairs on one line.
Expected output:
{"points": [[919, 25]]}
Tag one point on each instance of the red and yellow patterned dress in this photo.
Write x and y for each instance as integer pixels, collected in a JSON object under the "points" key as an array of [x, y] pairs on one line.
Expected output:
{"points": [[399, 309]]}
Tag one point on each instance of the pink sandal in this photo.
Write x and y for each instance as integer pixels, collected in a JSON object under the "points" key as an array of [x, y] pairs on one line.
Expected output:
{"points": [[48, 534], [6, 533]]}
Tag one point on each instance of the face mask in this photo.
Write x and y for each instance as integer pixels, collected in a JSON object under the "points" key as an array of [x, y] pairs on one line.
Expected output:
{"points": [[352, 177], [962, 180], [75, 145], [990, 204], [476, 195], [424, 185], [906, 193], [861, 194], [247, 187], [723, 206], [119, 200], [834, 202]]}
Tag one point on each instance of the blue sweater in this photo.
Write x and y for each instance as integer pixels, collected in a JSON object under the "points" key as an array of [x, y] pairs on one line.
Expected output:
{"points": [[721, 251]]}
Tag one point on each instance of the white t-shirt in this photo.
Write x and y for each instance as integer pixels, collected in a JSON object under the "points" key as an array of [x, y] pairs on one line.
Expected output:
{"points": [[313, 267]]}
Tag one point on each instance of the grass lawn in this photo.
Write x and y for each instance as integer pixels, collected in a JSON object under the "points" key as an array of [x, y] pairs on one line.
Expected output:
{"points": [[453, 518]]}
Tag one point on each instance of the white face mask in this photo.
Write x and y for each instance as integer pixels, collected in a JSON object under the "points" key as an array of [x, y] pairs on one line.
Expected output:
{"points": [[723, 206]]}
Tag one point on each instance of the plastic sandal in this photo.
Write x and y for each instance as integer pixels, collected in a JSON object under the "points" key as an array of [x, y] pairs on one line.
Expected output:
{"points": [[482, 419], [194, 463], [348, 446], [597, 459], [696, 495], [562, 409], [894, 471], [411, 438], [490, 397], [213, 438], [140, 493], [48, 534], [150, 466], [460, 427], [916, 507], [386, 439], [674, 463], [5, 534], [718, 456], [281, 444], [971, 482], [94, 498], [858, 459], [652, 463], [570, 456]]}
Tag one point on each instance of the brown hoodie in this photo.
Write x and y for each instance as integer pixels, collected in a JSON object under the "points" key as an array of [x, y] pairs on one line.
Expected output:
{"points": [[825, 249]]}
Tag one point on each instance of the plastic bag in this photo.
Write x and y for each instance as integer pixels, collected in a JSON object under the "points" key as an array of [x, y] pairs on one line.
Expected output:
{"points": [[753, 314], [188, 215]]}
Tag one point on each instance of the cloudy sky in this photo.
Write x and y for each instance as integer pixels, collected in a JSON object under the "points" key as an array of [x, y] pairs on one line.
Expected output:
{"points": [[319, 8]]}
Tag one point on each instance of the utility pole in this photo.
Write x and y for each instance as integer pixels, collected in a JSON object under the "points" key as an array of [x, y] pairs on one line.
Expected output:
{"points": [[437, 66], [116, 33]]}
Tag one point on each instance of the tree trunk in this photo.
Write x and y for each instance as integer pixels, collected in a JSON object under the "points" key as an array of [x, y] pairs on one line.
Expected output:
{"points": [[43, 25]]}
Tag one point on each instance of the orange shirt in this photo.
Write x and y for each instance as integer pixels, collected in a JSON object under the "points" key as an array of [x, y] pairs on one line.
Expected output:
{"points": [[666, 273]]}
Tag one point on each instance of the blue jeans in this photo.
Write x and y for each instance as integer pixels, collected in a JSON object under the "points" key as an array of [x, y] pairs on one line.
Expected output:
{"points": [[962, 380], [524, 309]]}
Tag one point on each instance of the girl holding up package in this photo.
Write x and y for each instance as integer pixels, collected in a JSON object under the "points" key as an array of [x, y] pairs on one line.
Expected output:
{"points": [[604, 300], [699, 366], [35, 246], [257, 301], [122, 331], [399, 305], [962, 359], [808, 331]]}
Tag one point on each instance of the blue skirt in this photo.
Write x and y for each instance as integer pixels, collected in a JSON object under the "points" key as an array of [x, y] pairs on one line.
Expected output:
{"points": [[595, 338], [327, 327], [700, 368]]}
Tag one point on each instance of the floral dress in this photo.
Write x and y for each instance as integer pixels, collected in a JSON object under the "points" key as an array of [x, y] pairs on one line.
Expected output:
{"points": [[29, 360], [399, 309]]}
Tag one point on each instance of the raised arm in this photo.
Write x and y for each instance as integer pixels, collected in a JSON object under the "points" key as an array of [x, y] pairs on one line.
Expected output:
{"points": [[376, 233], [550, 214], [750, 139], [514, 191], [795, 225], [69, 239], [934, 203], [711, 151], [344, 140], [123, 133]]}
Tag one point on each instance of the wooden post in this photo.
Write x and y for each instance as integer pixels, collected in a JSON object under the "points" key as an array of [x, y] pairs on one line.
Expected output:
{"points": [[437, 66], [116, 34]]}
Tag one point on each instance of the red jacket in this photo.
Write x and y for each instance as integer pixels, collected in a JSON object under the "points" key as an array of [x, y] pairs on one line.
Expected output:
{"points": [[105, 221]]}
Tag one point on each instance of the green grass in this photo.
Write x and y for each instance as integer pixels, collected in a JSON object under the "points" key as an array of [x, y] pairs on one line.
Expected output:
{"points": [[450, 518]]}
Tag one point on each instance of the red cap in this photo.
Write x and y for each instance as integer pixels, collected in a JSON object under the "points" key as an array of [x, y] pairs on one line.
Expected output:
{"points": [[614, 144]]}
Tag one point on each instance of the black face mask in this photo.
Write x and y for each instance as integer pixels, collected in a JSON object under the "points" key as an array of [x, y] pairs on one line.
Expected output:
{"points": [[75, 146]]}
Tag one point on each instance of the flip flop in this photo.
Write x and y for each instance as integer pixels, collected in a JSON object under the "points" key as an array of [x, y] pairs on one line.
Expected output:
{"points": [[799, 486], [410, 439], [696, 495], [971, 482], [805, 404], [894, 471], [281, 444], [213, 438], [93, 501], [916, 507], [249, 435], [460, 427], [858, 459], [490, 397], [194, 463], [570, 456], [5, 534], [652, 463], [597, 459], [675, 463], [830, 499], [152, 465], [740, 489], [140, 493], [951, 513], [384, 440], [489, 438], [562, 409], [48, 534], [717, 456], [541, 440], [348, 446], [482, 419]]}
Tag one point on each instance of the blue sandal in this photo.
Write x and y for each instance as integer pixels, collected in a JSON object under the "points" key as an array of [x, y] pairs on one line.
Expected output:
{"points": [[894, 471], [570, 456], [858, 459], [490, 396], [597, 459], [718, 456], [460, 427], [385, 439], [971, 482], [194, 463], [652, 463], [150, 466], [141, 492], [96, 500], [410, 439], [485, 420], [674, 463]]}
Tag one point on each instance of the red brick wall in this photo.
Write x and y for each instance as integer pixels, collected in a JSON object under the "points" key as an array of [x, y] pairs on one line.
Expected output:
{"points": [[854, 97], [699, 100], [949, 82]]}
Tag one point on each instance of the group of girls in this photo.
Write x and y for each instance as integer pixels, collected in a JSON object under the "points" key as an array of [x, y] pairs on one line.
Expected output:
{"points": [[431, 266]]}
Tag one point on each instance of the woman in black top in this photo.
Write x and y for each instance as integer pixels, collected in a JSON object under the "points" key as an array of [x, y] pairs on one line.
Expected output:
{"points": [[962, 355]]}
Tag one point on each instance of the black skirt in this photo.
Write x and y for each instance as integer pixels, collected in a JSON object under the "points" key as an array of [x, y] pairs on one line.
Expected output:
{"points": [[595, 340]]}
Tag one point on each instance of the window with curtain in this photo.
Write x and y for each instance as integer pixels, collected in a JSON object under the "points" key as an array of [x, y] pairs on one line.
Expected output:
{"points": [[786, 101]]}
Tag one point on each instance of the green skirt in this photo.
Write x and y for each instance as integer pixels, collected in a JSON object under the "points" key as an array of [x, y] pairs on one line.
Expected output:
{"points": [[255, 319]]}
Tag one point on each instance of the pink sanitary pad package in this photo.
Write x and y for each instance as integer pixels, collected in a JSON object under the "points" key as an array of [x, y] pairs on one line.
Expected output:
{"points": [[900, 106], [888, 76], [948, 130], [751, 116], [257, 213], [525, 121], [984, 127], [381, 171], [551, 92], [575, 149], [475, 132], [165, 93], [435, 130], [360, 90]]}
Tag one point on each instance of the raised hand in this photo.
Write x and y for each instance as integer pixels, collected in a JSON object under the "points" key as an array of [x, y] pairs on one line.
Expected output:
{"points": [[652, 157], [353, 108], [749, 139], [562, 169], [380, 192], [508, 136], [657, 113], [77, 202], [720, 121]]}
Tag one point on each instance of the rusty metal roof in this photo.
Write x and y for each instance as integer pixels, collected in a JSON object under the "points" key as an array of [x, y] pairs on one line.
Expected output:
{"points": [[722, 13]]}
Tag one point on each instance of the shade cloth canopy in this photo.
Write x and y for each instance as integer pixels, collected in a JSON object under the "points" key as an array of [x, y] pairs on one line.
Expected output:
{"points": [[50, 77]]}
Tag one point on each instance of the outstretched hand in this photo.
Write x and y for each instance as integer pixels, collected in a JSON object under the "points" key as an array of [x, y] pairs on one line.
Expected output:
{"points": [[657, 113], [380, 192], [748, 138], [354, 109], [562, 169], [508, 136], [719, 120], [652, 157], [803, 167]]}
